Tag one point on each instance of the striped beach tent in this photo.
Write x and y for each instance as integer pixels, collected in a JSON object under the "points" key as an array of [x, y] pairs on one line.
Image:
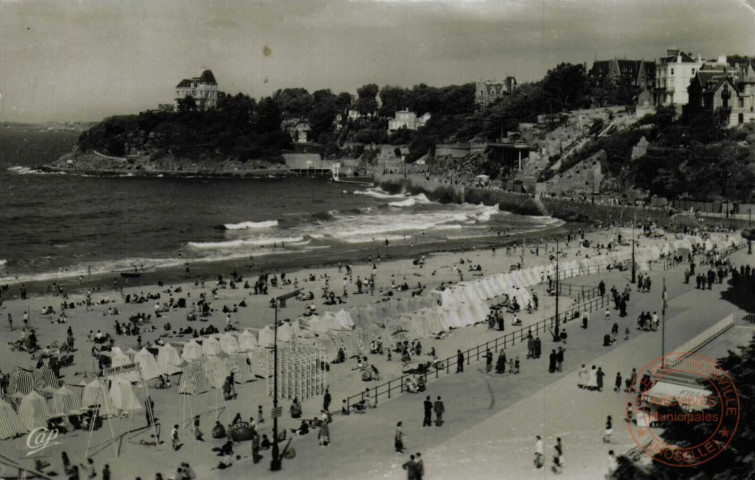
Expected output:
{"points": [[237, 364], [96, 393], [45, 378], [168, 359], [120, 359], [33, 411], [266, 336], [21, 381], [194, 379], [216, 371], [123, 396], [64, 401], [10, 424]]}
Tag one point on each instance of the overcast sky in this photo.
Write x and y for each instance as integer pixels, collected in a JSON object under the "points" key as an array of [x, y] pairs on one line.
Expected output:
{"points": [[83, 60]]}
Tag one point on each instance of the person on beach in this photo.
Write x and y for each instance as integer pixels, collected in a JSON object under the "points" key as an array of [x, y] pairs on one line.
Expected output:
{"points": [[198, 435], [599, 378], [427, 421], [174, 440], [440, 409], [500, 366], [398, 439], [10, 322], [420, 466], [488, 361], [538, 452], [459, 361], [607, 438], [410, 467]]}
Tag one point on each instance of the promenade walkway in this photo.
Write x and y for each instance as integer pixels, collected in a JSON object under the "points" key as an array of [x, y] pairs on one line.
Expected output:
{"points": [[492, 419]]}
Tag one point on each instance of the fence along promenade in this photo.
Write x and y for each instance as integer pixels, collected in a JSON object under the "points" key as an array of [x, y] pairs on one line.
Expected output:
{"points": [[396, 385]]}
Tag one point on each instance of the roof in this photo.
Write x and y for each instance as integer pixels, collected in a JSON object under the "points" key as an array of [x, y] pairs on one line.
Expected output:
{"points": [[207, 77], [686, 57]]}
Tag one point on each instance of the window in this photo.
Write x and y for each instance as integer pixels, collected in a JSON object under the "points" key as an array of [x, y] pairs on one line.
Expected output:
{"points": [[693, 71], [672, 71], [741, 103]]}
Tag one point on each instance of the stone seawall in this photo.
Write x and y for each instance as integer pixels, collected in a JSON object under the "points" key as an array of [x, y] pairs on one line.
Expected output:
{"points": [[527, 204]]}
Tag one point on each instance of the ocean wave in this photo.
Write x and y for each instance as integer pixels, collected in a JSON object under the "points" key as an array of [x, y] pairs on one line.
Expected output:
{"points": [[21, 170], [245, 243], [420, 199], [3, 262], [487, 212], [251, 225], [378, 192]]}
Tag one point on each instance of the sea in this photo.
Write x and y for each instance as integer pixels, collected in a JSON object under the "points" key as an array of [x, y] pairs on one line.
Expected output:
{"points": [[60, 225]]}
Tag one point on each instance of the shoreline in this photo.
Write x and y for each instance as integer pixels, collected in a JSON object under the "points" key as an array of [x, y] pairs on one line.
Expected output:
{"points": [[284, 262]]}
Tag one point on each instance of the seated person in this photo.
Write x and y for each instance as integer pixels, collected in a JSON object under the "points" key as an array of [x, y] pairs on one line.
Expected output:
{"points": [[265, 443], [302, 430], [607, 342], [421, 383], [295, 409], [411, 385]]}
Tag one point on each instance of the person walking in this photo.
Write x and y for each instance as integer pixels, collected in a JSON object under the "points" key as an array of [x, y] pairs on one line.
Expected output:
{"points": [[106, 472], [174, 441], [10, 322], [617, 384], [599, 377], [398, 439], [560, 359], [198, 435], [440, 409], [411, 468], [459, 361], [609, 430], [326, 400], [629, 382], [324, 434], [500, 366], [558, 458], [552, 362], [89, 470], [428, 420], [538, 452], [420, 466], [488, 361]]}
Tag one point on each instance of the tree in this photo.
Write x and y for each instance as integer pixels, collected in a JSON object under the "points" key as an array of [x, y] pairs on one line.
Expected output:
{"points": [[565, 86], [187, 104], [268, 116], [323, 112], [294, 102], [366, 102]]}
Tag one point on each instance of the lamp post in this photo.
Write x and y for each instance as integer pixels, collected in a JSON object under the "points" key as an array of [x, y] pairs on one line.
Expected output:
{"points": [[556, 329], [275, 463], [634, 267]]}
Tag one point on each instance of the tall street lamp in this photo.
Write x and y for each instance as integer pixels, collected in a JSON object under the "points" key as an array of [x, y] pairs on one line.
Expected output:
{"points": [[275, 463], [634, 266], [556, 329]]}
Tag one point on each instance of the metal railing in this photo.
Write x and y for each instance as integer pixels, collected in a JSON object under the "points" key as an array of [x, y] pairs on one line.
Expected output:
{"points": [[396, 386]]}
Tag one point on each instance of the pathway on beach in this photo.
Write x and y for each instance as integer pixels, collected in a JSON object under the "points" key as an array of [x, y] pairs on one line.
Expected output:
{"points": [[492, 420]]}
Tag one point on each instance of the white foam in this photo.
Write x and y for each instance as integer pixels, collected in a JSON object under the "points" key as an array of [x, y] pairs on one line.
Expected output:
{"points": [[21, 170], [251, 225], [245, 243], [419, 199], [378, 193], [3, 262], [487, 212]]}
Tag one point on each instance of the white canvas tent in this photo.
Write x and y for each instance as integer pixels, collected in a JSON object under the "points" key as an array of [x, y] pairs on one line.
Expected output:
{"points": [[168, 359], [96, 393], [191, 351], [267, 336], [123, 396], [120, 359], [211, 347], [147, 364], [229, 343], [247, 341]]}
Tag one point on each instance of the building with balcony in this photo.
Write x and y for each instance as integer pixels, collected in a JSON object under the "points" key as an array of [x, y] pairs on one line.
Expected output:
{"points": [[408, 120], [488, 92], [673, 74]]}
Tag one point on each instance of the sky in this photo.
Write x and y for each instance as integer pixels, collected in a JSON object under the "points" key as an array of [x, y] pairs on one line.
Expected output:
{"points": [[82, 60]]}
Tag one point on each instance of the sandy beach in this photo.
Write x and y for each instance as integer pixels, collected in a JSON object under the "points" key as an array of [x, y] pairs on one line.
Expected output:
{"points": [[343, 379]]}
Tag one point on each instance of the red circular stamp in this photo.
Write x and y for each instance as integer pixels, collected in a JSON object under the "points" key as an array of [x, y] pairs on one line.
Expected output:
{"points": [[689, 396]]}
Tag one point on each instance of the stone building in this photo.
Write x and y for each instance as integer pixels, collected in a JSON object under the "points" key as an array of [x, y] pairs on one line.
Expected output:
{"points": [[673, 74], [488, 92], [203, 89], [729, 89], [638, 73], [408, 120]]}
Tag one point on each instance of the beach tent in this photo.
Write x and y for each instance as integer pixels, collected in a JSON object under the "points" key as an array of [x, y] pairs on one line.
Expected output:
{"points": [[329, 321], [194, 379], [21, 381], [216, 370], [314, 324], [285, 332], [247, 341], [191, 351], [33, 411], [123, 396], [147, 364], [344, 318], [64, 402], [240, 366], [10, 424], [120, 359], [211, 347], [96, 393], [168, 359], [229, 343], [266, 336]]}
